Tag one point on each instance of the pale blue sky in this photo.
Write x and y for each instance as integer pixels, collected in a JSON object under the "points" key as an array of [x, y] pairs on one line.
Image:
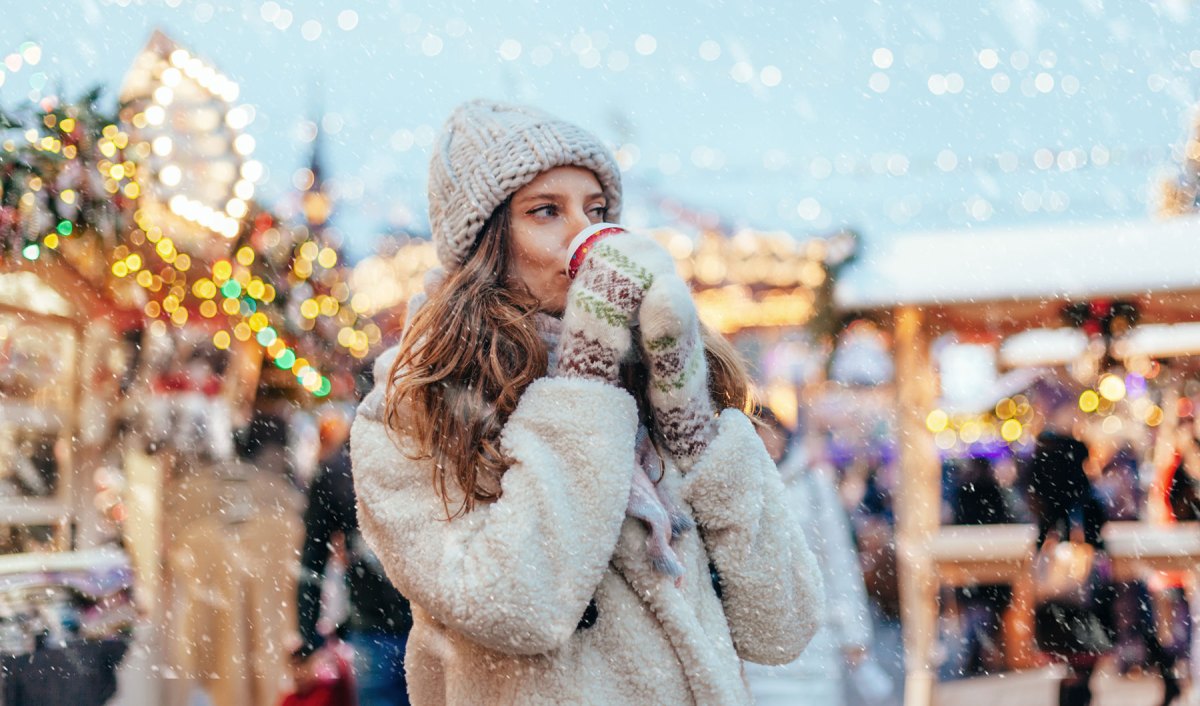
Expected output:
{"points": [[775, 115]]}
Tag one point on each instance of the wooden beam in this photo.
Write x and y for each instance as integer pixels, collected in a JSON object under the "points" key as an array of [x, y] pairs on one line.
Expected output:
{"points": [[1007, 317], [917, 504]]}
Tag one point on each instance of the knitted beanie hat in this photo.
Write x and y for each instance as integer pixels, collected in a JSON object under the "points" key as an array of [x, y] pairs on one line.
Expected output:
{"points": [[489, 150]]}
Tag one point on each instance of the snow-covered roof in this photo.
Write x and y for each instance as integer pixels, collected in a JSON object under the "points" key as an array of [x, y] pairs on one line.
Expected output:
{"points": [[1160, 341], [1057, 346], [1036, 263]]}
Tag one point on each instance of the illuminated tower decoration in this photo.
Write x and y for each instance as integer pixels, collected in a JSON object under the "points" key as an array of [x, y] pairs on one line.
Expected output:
{"points": [[197, 177], [1180, 195]]}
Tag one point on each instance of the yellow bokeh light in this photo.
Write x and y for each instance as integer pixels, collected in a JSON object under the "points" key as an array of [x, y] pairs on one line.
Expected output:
{"points": [[204, 288], [120, 269], [179, 317], [945, 439], [1112, 388], [134, 262], [145, 279], [153, 309], [327, 258], [183, 263], [51, 241], [1089, 401], [1154, 416], [361, 302], [242, 331], [1010, 431], [258, 321], [245, 256], [268, 294], [221, 339], [208, 308], [300, 364], [309, 250], [132, 190], [255, 288], [230, 306], [936, 421], [222, 269], [1006, 408], [970, 432], [309, 309]]}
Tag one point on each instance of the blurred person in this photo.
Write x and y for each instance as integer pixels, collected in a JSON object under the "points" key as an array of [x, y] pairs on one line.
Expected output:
{"points": [[1113, 466], [843, 638], [1174, 496], [1065, 508], [511, 463], [380, 618], [232, 529], [979, 500]]}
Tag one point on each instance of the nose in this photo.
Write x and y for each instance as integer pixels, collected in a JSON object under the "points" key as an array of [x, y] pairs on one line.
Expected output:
{"points": [[578, 220]]}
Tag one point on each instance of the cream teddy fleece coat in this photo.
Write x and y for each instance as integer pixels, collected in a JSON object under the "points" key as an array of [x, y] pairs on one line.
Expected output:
{"points": [[498, 594]]}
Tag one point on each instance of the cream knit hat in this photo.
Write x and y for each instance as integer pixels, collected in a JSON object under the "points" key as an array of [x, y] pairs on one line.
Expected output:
{"points": [[489, 150]]}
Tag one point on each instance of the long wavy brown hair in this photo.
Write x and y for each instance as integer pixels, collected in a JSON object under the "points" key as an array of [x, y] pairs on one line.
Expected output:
{"points": [[468, 355]]}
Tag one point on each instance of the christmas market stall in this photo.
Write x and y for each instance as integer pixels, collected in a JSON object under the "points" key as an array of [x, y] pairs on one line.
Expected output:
{"points": [[1121, 291], [150, 308]]}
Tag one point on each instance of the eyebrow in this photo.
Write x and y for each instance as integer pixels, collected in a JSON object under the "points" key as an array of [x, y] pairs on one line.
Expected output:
{"points": [[551, 196]]}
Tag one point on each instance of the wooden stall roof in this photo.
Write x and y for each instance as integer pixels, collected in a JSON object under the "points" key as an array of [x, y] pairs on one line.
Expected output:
{"points": [[1000, 281]]}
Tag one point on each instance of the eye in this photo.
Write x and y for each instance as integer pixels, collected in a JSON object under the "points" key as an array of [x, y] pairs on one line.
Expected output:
{"points": [[600, 211], [548, 211]]}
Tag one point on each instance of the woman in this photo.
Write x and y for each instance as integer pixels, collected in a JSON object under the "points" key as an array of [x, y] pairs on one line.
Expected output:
{"points": [[819, 676], [496, 462]]}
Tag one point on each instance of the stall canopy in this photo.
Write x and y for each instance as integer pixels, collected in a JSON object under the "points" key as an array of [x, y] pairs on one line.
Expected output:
{"points": [[958, 275]]}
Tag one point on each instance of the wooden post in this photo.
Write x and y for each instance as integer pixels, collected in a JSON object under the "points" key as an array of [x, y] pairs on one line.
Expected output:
{"points": [[918, 504]]}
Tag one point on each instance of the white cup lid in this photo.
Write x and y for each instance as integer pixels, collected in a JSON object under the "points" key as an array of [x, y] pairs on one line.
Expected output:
{"points": [[578, 241]]}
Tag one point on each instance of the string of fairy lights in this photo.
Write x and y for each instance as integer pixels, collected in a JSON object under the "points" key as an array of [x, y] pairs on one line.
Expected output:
{"points": [[238, 294], [1112, 401]]}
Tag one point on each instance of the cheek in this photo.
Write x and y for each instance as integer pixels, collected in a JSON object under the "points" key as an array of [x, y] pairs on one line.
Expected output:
{"points": [[542, 250]]}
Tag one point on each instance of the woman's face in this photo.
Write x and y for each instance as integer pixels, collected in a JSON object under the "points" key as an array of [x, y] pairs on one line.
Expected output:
{"points": [[546, 214]]}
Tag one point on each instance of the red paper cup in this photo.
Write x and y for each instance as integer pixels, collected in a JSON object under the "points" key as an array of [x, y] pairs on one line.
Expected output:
{"points": [[588, 237]]}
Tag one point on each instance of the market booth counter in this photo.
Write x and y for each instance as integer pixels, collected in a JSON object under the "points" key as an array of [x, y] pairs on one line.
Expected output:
{"points": [[66, 604], [985, 286]]}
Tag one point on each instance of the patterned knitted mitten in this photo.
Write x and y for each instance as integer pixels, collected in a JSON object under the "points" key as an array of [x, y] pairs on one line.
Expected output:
{"points": [[602, 303], [674, 355]]}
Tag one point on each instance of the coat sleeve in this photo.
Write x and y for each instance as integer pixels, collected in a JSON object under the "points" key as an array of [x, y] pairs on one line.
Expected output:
{"points": [[770, 583], [515, 575]]}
